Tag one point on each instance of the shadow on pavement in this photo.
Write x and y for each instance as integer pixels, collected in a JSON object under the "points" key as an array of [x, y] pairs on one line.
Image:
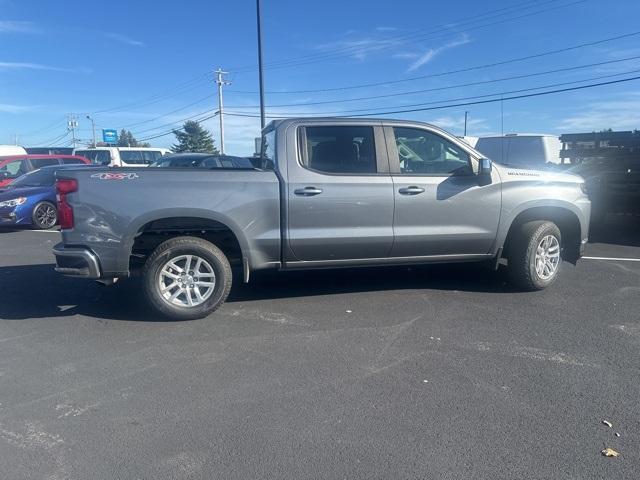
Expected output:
{"points": [[37, 291], [617, 230]]}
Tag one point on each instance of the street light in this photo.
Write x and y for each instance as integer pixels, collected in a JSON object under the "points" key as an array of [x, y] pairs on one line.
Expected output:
{"points": [[93, 128], [260, 73]]}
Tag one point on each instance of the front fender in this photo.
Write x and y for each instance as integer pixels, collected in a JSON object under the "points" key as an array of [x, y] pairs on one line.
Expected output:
{"points": [[509, 215]]}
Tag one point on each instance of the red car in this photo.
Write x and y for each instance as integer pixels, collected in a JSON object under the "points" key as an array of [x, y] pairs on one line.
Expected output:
{"points": [[15, 165]]}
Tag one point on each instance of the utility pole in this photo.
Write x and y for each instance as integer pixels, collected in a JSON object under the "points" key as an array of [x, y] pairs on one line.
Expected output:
{"points": [[93, 129], [465, 123], [220, 81], [260, 73], [72, 124]]}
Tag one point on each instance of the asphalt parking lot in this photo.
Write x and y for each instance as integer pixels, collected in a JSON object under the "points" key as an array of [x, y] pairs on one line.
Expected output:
{"points": [[437, 372]]}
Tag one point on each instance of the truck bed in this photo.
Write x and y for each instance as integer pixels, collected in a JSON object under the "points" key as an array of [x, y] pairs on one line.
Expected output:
{"points": [[114, 205]]}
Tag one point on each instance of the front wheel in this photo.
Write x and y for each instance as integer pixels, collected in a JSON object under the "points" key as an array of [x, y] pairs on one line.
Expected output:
{"points": [[187, 278], [45, 216], [534, 255]]}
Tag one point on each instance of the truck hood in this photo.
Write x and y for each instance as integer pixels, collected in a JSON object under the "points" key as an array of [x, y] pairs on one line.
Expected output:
{"points": [[508, 173]]}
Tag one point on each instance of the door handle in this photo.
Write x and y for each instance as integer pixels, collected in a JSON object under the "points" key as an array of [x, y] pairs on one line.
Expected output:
{"points": [[413, 190], [307, 191]]}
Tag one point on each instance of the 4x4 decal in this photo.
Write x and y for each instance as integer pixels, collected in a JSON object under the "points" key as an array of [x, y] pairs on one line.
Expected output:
{"points": [[115, 176]]}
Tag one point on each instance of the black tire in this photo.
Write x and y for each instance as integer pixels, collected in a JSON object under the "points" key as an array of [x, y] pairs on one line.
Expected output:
{"points": [[522, 255], [44, 216], [175, 248]]}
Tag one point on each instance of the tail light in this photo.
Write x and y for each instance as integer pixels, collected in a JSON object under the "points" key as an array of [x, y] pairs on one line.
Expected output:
{"points": [[65, 186]]}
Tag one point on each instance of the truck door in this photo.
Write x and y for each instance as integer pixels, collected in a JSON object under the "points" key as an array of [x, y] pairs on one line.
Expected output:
{"points": [[441, 207], [340, 194]]}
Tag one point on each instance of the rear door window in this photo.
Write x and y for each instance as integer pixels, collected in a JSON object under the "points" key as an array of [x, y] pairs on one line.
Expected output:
{"points": [[346, 150], [149, 157], [44, 162], [133, 157], [72, 161]]}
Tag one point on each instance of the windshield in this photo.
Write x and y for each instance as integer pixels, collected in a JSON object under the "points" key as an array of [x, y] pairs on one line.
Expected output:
{"points": [[37, 178]]}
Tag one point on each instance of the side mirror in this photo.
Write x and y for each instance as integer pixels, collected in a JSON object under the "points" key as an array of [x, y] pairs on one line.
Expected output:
{"points": [[484, 171], [485, 167]]}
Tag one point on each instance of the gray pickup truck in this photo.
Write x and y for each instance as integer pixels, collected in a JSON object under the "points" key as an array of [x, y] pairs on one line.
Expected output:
{"points": [[329, 193]]}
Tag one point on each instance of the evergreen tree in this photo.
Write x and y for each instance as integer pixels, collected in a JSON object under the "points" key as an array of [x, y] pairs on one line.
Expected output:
{"points": [[126, 139], [194, 138]]}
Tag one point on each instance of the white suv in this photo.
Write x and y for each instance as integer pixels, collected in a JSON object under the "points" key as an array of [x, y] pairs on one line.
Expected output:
{"points": [[122, 156]]}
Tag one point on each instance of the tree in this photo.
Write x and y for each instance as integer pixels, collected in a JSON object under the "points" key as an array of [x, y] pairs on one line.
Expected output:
{"points": [[194, 138], [126, 139]]}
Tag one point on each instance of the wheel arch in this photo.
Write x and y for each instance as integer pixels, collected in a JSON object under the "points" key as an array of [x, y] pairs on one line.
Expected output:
{"points": [[148, 231], [563, 216]]}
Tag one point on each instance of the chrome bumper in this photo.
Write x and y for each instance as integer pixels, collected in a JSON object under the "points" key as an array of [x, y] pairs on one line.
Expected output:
{"points": [[76, 262]]}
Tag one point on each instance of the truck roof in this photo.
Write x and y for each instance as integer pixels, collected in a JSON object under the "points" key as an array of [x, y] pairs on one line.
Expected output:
{"points": [[347, 121]]}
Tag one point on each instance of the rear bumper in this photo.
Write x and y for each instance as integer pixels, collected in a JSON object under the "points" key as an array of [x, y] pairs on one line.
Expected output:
{"points": [[76, 262]]}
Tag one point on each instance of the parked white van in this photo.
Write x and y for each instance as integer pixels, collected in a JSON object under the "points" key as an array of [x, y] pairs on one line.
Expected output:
{"points": [[469, 140], [122, 156], [525, 150], [10, 150]]}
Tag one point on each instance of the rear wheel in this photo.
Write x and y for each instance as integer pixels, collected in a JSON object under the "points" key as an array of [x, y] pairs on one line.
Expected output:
{"points": [[534, 255], [187, 278], [45, 215]]}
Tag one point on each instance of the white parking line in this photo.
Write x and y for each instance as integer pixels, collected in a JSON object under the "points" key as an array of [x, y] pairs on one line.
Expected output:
{"points": [[614, 259], [46, 231]]}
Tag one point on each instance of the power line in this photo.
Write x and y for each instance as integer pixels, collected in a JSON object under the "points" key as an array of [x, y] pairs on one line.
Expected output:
{"points": [[171, 131], [398, 94], [165, 94], [462, 70], [55, 124], [553, 85], [411, 36], [208, 97], [54, 140], [190, 117], [422, 107], [440, 107], [430, 37], [449, 87]]}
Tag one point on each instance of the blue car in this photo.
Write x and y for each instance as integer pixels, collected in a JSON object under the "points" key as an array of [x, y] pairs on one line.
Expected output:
{"points": [[30, 200]]}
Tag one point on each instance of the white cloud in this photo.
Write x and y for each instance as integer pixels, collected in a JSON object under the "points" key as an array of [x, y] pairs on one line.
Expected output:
{"points": [[39, 66], [359, 48], [9, 108], [429, 55], [618, 114], [18, 26], [124, 39], [475, 126], [386, 29]]}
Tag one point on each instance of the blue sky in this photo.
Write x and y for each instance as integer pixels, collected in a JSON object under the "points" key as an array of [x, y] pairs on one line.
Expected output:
{"points": [[147, 65]]}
